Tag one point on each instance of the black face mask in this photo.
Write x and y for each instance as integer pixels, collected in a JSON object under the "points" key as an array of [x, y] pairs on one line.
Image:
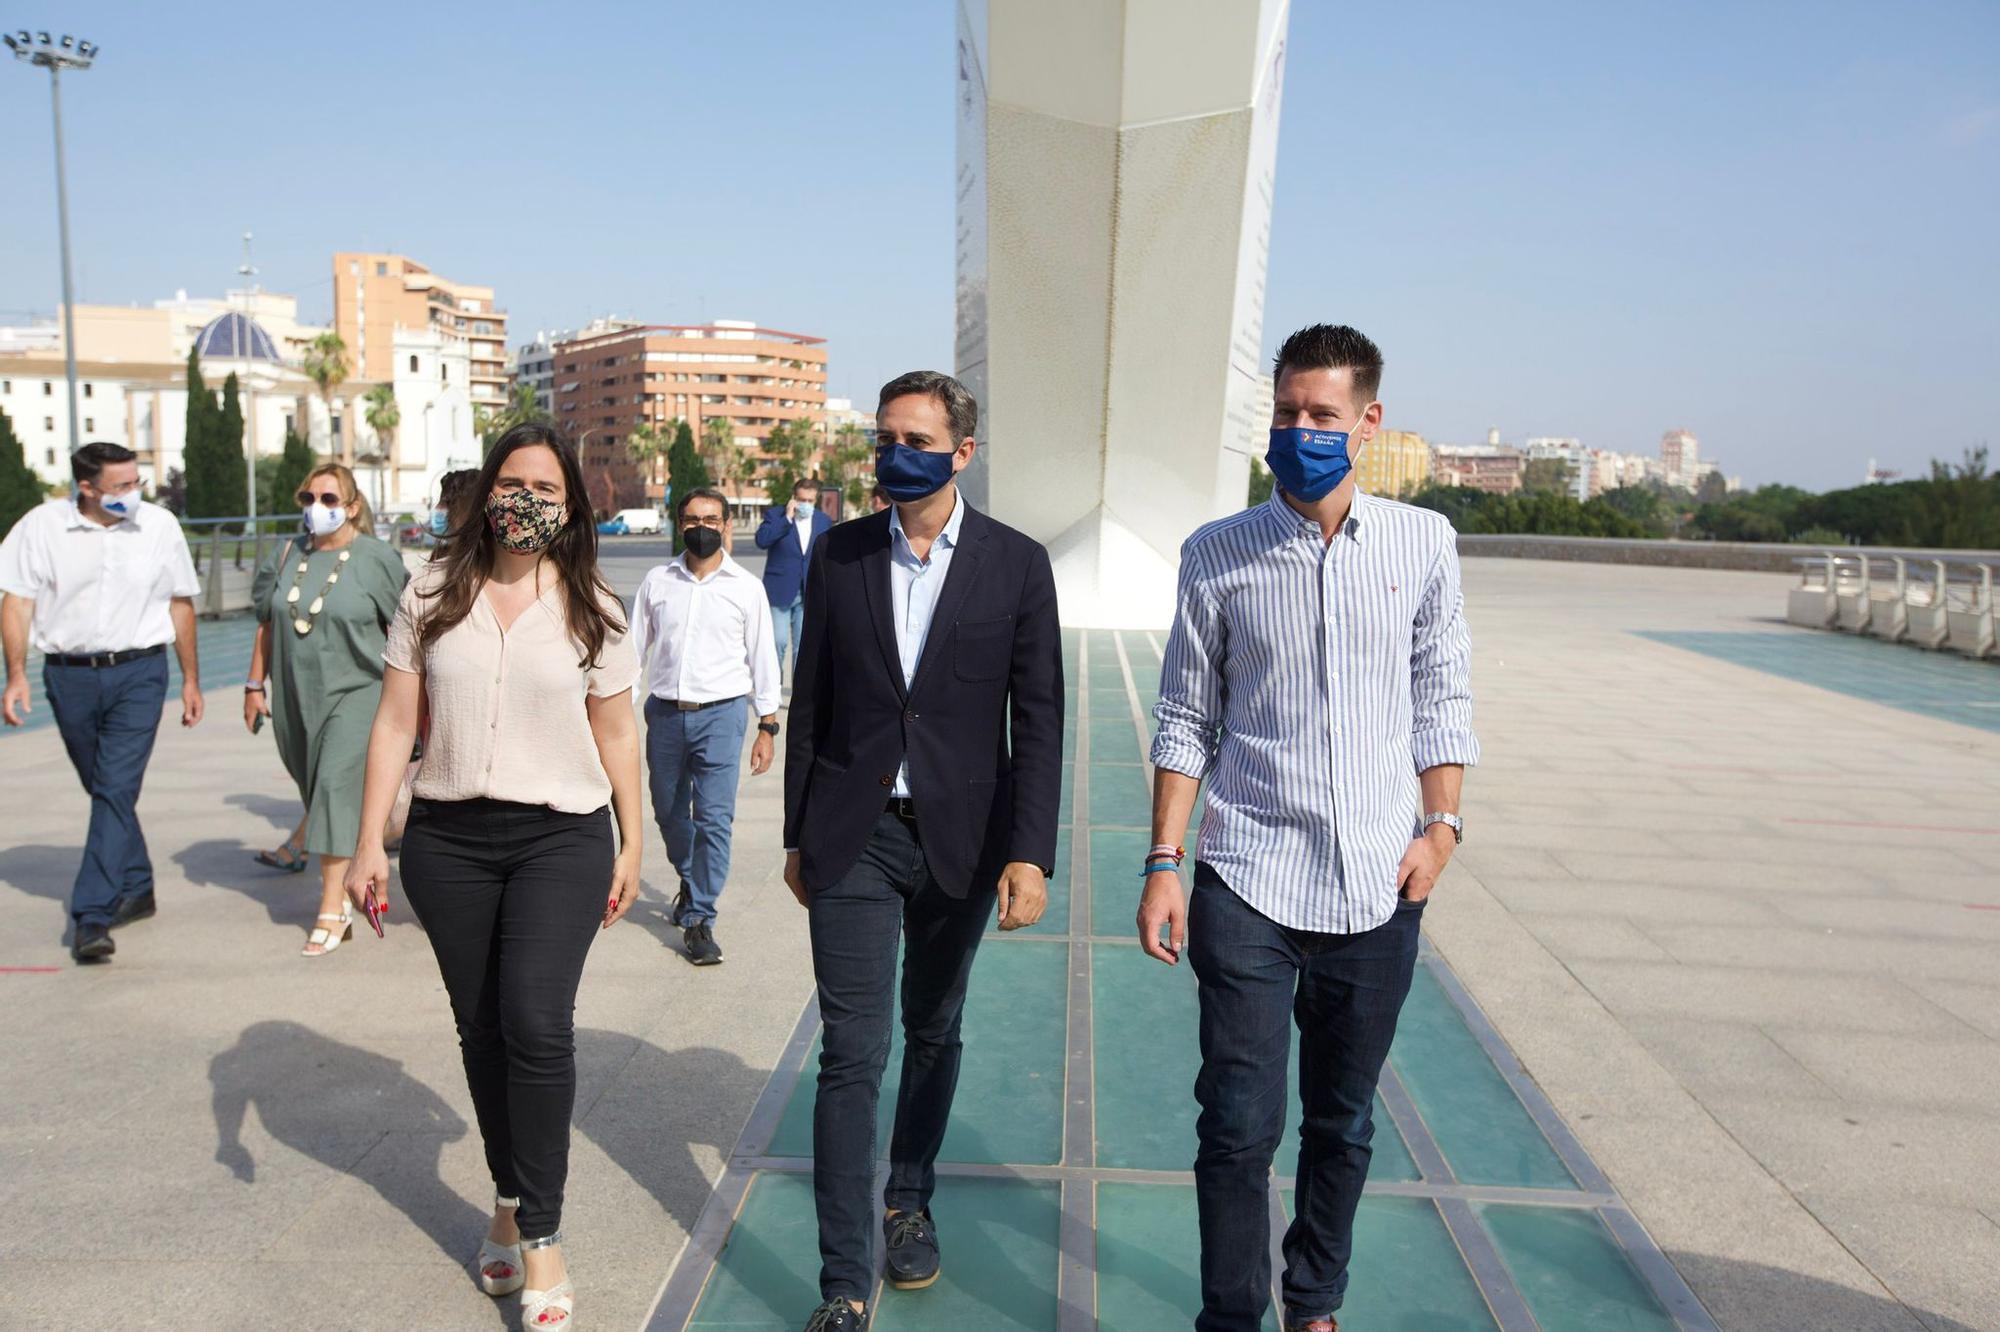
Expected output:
{"points": [[701, 542]]}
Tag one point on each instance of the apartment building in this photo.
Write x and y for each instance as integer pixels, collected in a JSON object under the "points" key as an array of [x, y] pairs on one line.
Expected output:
{"points": [[375, 295]]}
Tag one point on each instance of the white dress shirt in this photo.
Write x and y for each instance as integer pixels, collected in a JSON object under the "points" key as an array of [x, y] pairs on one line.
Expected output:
{"points": [[97, 588], [704, 639], [803, 525], [1310, 682], [914, 586]]}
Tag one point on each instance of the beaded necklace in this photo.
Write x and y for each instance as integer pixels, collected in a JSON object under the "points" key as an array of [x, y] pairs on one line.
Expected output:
{"points": [[303, 624]]}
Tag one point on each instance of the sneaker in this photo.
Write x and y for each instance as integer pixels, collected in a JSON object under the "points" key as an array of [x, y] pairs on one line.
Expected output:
{"points": [[912, 1247], [129, 909], [679, 912], [836, 1315], [699, 940], [92, 943]]}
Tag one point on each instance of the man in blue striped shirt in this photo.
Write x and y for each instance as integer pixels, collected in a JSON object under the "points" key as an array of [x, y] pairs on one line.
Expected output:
{"points": [[1317, 678]]}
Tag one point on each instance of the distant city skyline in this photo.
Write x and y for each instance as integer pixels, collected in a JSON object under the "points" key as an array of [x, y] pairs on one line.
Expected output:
{"points": [[1764, 225]]}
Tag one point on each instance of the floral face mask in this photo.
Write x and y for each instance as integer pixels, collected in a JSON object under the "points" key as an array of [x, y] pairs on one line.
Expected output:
{"points": [[524, 522]]}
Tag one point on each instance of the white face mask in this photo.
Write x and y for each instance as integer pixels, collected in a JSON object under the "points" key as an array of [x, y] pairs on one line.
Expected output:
{"points": [[120, 506], [322, 521]]}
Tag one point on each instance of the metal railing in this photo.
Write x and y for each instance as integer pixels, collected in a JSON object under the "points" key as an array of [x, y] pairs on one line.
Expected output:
{"points": [[227, 551], [1937, 603]]}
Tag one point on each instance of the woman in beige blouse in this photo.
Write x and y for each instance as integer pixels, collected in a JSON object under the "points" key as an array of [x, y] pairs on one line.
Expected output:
{"points": [[516, 647]]}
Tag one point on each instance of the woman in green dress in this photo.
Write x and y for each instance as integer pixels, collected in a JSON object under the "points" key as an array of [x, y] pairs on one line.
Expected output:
{"points": [[324, 602]]}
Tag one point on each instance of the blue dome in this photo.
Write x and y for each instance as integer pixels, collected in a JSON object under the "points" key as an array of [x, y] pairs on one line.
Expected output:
{"points": [[235, 337]]}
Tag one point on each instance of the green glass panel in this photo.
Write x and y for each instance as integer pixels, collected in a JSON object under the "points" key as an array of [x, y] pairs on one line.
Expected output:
{"points": [[1010, 1086], [1950, 688], [998, 1239], [1571, 1272], [1148, 1248], [1119, 796], [1394, 1238], [1482, 1128], [768, 1273], [1146, 1050]]}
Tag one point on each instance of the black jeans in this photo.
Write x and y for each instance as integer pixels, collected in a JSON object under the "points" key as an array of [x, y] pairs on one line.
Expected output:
{"points": [[1345, 992], [512, 896], [854, 927]]}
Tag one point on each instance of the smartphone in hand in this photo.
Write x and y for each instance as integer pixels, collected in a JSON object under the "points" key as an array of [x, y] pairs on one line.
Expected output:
{"points": [[374, 909]]}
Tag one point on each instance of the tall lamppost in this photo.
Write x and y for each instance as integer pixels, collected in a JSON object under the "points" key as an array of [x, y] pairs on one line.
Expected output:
{"points": [[55, 57]]}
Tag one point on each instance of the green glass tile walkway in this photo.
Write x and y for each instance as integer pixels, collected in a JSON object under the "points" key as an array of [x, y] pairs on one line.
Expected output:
{"points": [[1066, 1199], [1931, 684]]}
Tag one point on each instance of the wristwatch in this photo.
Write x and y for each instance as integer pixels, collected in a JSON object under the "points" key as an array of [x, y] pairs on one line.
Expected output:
{"points": [[768, 728], [1451, 821]]}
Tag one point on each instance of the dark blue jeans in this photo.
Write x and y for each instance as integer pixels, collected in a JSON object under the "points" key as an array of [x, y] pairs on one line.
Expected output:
{"points": [[108, 717], [855, 923], [692, 760], [1345, 992]]}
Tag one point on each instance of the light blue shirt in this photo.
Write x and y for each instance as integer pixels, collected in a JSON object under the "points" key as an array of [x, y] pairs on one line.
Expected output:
{"points": [[914, 586], [1310, 682]]}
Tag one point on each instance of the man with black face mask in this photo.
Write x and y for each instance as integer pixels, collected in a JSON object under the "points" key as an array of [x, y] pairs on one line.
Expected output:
{"points": [[702, 627]]}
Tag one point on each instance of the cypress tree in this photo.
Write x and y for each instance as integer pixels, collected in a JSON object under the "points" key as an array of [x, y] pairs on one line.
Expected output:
{"points": [[232, 487], [198, 452], [20, 488], [685, 470], [294, 466]]}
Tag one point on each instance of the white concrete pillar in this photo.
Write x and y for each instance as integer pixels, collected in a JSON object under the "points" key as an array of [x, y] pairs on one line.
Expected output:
{"points": [[1115, 178]]}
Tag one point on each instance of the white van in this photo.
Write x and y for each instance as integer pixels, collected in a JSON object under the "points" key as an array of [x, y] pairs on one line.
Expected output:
{"points": [[640, 522]]}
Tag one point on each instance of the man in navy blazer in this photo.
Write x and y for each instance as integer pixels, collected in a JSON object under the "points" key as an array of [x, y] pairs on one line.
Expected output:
{"points": [[923, 773], [786, 538]]}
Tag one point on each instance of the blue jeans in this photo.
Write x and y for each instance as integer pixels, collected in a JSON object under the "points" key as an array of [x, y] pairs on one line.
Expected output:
{"points": [[1345, 992], [108, 717], [854, 925], [692, 759], [787, 625]]}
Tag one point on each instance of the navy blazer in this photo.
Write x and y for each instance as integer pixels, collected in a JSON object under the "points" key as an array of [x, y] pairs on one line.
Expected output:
{"points": [[981, 722], [784, 562]]}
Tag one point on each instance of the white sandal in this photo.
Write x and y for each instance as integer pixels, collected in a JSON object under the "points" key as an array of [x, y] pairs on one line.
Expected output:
{"points": [[326, 939], [538, 1305], [504, 1256]]}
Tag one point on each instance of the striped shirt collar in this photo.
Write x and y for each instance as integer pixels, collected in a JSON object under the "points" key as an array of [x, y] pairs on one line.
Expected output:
{"points": [[1286, 521]]}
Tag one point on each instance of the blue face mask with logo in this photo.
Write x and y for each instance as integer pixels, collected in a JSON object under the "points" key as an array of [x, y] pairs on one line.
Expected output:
{"points": [[908, 475], [1309, 464]]}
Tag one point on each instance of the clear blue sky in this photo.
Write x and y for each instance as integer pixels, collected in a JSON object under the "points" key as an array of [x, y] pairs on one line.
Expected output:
{"points": [[1771, 223]]}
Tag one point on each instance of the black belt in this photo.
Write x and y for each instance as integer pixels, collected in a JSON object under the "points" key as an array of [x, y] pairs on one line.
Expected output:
{"points": [[903, 807], [100, 660], [698, 707]]}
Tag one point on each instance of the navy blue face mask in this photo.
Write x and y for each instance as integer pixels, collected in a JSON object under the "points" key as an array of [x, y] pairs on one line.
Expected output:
{"points": [[1309, 464], [908, 475]]}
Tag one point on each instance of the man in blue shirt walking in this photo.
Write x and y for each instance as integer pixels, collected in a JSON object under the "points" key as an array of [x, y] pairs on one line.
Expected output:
{"points": [[1318, 679], [786, 538]]}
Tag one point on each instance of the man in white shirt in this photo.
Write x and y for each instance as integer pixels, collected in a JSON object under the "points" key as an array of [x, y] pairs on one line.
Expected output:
{"points": [[702, 628], [100, 585]]}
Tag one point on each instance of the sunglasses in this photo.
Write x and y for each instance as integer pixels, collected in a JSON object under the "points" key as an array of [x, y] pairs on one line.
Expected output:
{"points": [[330, 498]]}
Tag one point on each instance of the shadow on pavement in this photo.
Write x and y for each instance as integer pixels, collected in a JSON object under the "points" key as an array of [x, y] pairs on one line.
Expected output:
{"points": [[312, 1093], [1751, 1295], [658, 1105], [289, 899], [41, 870]]}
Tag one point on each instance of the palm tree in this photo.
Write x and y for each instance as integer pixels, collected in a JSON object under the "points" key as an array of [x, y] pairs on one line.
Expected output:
{"points": [[328, 367], [383, 416], [521, 409], [647, 445], [718, 448]]}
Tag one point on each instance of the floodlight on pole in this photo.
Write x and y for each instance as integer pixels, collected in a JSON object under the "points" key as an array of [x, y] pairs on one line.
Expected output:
{"points": [[70, 54]]}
